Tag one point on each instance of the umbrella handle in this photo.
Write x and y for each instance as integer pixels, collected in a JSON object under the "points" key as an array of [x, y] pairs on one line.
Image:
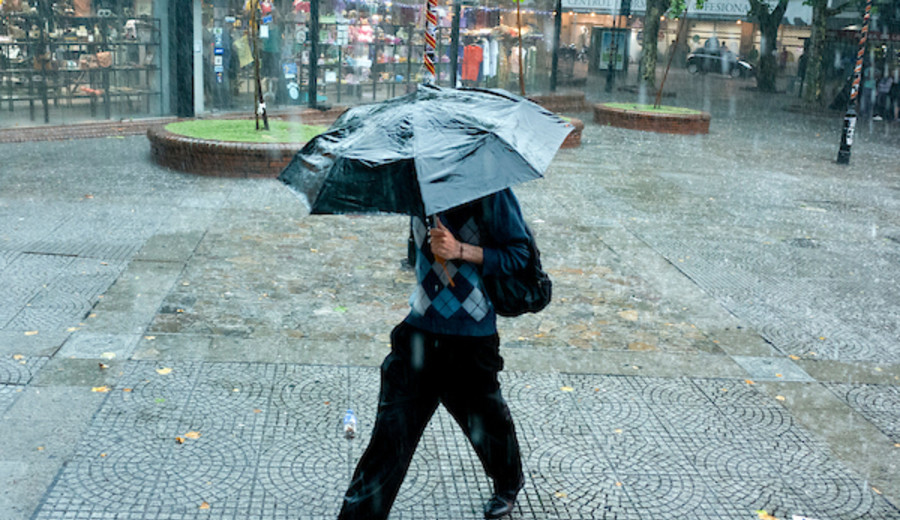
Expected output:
{"points": [[440, 260], [443, 263]]}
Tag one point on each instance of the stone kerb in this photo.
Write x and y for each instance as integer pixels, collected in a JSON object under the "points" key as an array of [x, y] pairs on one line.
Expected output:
{"points": [[230, 158], [635, 119]]}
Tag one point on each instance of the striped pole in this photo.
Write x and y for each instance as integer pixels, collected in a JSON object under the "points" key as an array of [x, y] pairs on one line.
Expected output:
{"points": [[431, 22], [850, 117]]}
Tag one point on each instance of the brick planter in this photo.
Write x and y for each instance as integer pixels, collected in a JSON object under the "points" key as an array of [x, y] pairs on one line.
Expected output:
{"points": [[230, 158], [696, 123], [573, 140], [560, 103], [219, 158]]}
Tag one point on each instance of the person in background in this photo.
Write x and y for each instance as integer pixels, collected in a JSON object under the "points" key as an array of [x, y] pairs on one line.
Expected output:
{"points": [[883, 108]]}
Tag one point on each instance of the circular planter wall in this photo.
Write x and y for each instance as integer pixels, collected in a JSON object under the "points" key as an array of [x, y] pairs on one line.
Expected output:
{"points": [[563, 102], [231, 158], [219, 158], [573, 140], [635, 117]]}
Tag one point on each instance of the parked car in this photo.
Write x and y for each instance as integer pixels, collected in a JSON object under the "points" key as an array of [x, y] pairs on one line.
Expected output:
{"points": [[705, 60]]}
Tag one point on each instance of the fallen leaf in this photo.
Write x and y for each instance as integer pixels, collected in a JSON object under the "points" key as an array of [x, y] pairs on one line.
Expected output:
{"points": [[102, 455], [100, 389], [89, 196], [18, 357], [618, 484], [149, 338], [179, 440], [567, 389], [631, 315], [778, 375], [73, 329], [108, 355], [204, 505], [340, 308], [257, 410], [794, 357], [103, 367], [163, 371], [560, 494], [40, 448], [126, 390], [765, 516], [618, 430], [192, 435], [749, 381], [780, 397], [31, 333], [875, 489]]}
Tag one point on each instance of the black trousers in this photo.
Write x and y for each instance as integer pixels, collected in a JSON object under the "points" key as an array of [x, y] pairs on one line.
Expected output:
{"points": [[421, 371]]}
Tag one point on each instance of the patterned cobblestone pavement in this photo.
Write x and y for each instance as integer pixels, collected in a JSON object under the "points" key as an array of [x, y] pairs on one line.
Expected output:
{"points": [[266, 443], [722, 341]]}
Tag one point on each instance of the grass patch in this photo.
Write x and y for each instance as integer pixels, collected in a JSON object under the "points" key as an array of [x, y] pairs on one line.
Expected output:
{"points": [[244, 130], [663, 109]]}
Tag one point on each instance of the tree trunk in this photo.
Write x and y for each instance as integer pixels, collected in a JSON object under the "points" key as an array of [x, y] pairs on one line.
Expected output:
{"points": [[649, 50], [768, 66], [768, 28], [814, 93]]}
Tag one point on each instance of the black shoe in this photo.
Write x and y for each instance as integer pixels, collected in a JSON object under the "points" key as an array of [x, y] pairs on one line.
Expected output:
{"points": [[500, 504]]}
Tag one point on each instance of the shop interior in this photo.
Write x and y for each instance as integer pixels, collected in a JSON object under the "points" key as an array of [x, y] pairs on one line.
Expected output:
{"points": [[79, 59]]}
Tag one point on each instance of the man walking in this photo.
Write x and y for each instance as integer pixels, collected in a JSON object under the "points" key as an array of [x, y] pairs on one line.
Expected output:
{"points": [[446, 352]]}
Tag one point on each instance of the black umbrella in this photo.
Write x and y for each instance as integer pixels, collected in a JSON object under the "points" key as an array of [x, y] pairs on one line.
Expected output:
{"points": [[425, 152]]}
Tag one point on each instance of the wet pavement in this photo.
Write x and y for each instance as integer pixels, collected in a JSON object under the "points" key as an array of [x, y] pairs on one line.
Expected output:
{"points": [[722, 339]]}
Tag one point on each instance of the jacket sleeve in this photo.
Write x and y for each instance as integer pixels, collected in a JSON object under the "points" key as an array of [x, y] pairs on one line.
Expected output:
{"points": [[506, 249]]}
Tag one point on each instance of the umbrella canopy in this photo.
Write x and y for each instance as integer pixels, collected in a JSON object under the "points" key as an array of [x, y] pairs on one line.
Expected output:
{"points": [[425, 152]]}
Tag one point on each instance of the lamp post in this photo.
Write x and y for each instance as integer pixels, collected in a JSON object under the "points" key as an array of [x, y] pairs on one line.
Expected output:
{"points": [[557, 26], [850, 117], [624, 10], [312, 94], [454, 42]]}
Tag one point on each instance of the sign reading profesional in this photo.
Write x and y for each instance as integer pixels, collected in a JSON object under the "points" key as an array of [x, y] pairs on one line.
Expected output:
{"points": [[725, 9]]}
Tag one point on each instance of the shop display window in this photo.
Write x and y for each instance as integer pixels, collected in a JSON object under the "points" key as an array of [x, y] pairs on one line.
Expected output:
{"points": [[79, 60]]}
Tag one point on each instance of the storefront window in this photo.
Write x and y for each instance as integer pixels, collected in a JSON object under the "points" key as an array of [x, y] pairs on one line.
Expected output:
{"points": [[78, 60], [366, 51]]}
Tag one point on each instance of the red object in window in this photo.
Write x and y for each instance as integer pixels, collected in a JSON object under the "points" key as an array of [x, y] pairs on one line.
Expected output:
{"points": [[472, 57]]}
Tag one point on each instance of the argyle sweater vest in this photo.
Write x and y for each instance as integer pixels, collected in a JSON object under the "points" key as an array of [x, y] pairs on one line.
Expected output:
{"points": [[461, 309]]}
